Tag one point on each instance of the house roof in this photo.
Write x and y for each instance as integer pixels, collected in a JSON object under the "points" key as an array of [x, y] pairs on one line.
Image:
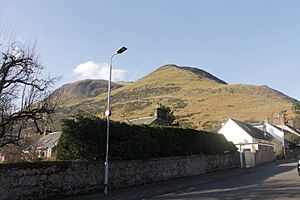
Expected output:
{"points": [[278, 128], [288, 129], [143, 120], [293, 128], [253, 131], [48, 141]]}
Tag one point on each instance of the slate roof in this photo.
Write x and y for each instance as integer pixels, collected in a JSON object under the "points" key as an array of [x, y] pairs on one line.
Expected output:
{"points": [[48, 141], [143, 120], [253, 131]]}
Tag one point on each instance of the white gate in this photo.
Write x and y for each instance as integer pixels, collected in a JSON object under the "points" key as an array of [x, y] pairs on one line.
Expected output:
{"points": [[249, 158]]}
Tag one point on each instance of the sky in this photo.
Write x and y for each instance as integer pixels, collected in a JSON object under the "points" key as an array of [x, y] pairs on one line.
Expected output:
{"points": [[254, 42]]}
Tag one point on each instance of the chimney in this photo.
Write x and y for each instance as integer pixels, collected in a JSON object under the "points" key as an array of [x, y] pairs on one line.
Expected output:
{"points": [[47, 130], [266, 121], [265, 130], [160, 112]]}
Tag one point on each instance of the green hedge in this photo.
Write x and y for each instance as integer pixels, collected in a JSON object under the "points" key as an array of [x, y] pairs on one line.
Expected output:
{"points": [[84, 138]]}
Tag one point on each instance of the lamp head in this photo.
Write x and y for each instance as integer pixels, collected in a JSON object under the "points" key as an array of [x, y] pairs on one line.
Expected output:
{"points": [[121, 50]]}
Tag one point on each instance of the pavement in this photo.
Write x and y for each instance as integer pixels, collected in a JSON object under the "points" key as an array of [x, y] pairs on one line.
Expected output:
{"points": [[161, 189]]}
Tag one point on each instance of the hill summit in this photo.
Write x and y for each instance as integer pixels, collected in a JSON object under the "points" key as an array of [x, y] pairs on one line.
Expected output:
{"points": [[201, 74], [199, 99]]}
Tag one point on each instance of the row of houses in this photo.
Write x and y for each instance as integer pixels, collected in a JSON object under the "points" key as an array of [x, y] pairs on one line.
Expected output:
{"points": [[258, 143]]}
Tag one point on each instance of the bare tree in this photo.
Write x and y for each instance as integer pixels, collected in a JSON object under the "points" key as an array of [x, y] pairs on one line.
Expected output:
{"points": [[24, 94]]}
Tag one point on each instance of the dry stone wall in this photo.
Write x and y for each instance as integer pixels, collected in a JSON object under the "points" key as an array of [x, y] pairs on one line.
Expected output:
{"points": [[46, 180]]}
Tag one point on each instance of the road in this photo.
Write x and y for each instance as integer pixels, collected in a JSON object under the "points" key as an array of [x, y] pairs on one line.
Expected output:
{"points": [[272, 181]]}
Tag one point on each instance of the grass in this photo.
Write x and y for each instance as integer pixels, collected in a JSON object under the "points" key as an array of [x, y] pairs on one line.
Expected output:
{"points": [[198, 102]]}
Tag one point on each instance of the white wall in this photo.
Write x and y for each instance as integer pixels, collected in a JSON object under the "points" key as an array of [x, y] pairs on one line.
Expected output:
{"points": [[275, 132], [232, 132]]}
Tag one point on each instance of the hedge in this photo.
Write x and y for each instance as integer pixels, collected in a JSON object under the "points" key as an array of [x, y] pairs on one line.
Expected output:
{"points": [[84, 138]]}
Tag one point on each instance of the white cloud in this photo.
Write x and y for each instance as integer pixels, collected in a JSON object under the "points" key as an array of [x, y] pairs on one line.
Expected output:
{"points": [[91, 70]]}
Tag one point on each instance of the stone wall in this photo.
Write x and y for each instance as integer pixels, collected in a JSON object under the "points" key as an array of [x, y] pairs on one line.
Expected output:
{"points": [[45, 180], [48, 179]]}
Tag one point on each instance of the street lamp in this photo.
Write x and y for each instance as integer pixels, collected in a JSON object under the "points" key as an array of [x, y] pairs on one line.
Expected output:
{"points": [[281, 115], [108, 114]]}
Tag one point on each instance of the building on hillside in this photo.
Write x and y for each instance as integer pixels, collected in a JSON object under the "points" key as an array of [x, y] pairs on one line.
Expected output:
{"points": [[280, 132], [275, 131], [44, 147], [285, 136], [160, 118], [253, 144], [290, 129]]}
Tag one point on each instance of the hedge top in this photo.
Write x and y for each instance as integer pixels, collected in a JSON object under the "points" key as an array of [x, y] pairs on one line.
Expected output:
{"points": [[84, 138]]}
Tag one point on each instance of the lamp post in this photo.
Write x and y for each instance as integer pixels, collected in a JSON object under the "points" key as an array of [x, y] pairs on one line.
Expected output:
{"points": [[108, 114], [282, 124]]}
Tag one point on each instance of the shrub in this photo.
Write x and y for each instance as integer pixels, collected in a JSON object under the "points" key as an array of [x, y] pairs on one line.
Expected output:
{"points": [[84, 138]]}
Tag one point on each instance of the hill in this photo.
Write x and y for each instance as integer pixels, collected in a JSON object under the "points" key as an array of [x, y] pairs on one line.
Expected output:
{"points": [[73, 93], [199, 99]]}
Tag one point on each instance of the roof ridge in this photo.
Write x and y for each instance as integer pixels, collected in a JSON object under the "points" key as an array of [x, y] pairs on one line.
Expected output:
{"points": [[142, 118]]}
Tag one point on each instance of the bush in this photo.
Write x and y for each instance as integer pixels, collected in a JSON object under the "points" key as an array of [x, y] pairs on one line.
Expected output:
{"points": [[84, 138], [293, 140]]}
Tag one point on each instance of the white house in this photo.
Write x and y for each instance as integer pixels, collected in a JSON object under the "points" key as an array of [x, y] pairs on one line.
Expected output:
{"points": [[280, 132], [275, 131], [253, 143], [44, 147], [241, 133]]}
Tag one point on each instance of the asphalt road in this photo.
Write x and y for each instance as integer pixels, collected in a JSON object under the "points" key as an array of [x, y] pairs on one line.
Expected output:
{"points": [[272, 181], [268, 182]]}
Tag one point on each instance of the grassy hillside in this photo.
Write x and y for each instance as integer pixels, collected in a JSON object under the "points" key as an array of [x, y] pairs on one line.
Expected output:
{"points": [[199, 99], [73, 93]]}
